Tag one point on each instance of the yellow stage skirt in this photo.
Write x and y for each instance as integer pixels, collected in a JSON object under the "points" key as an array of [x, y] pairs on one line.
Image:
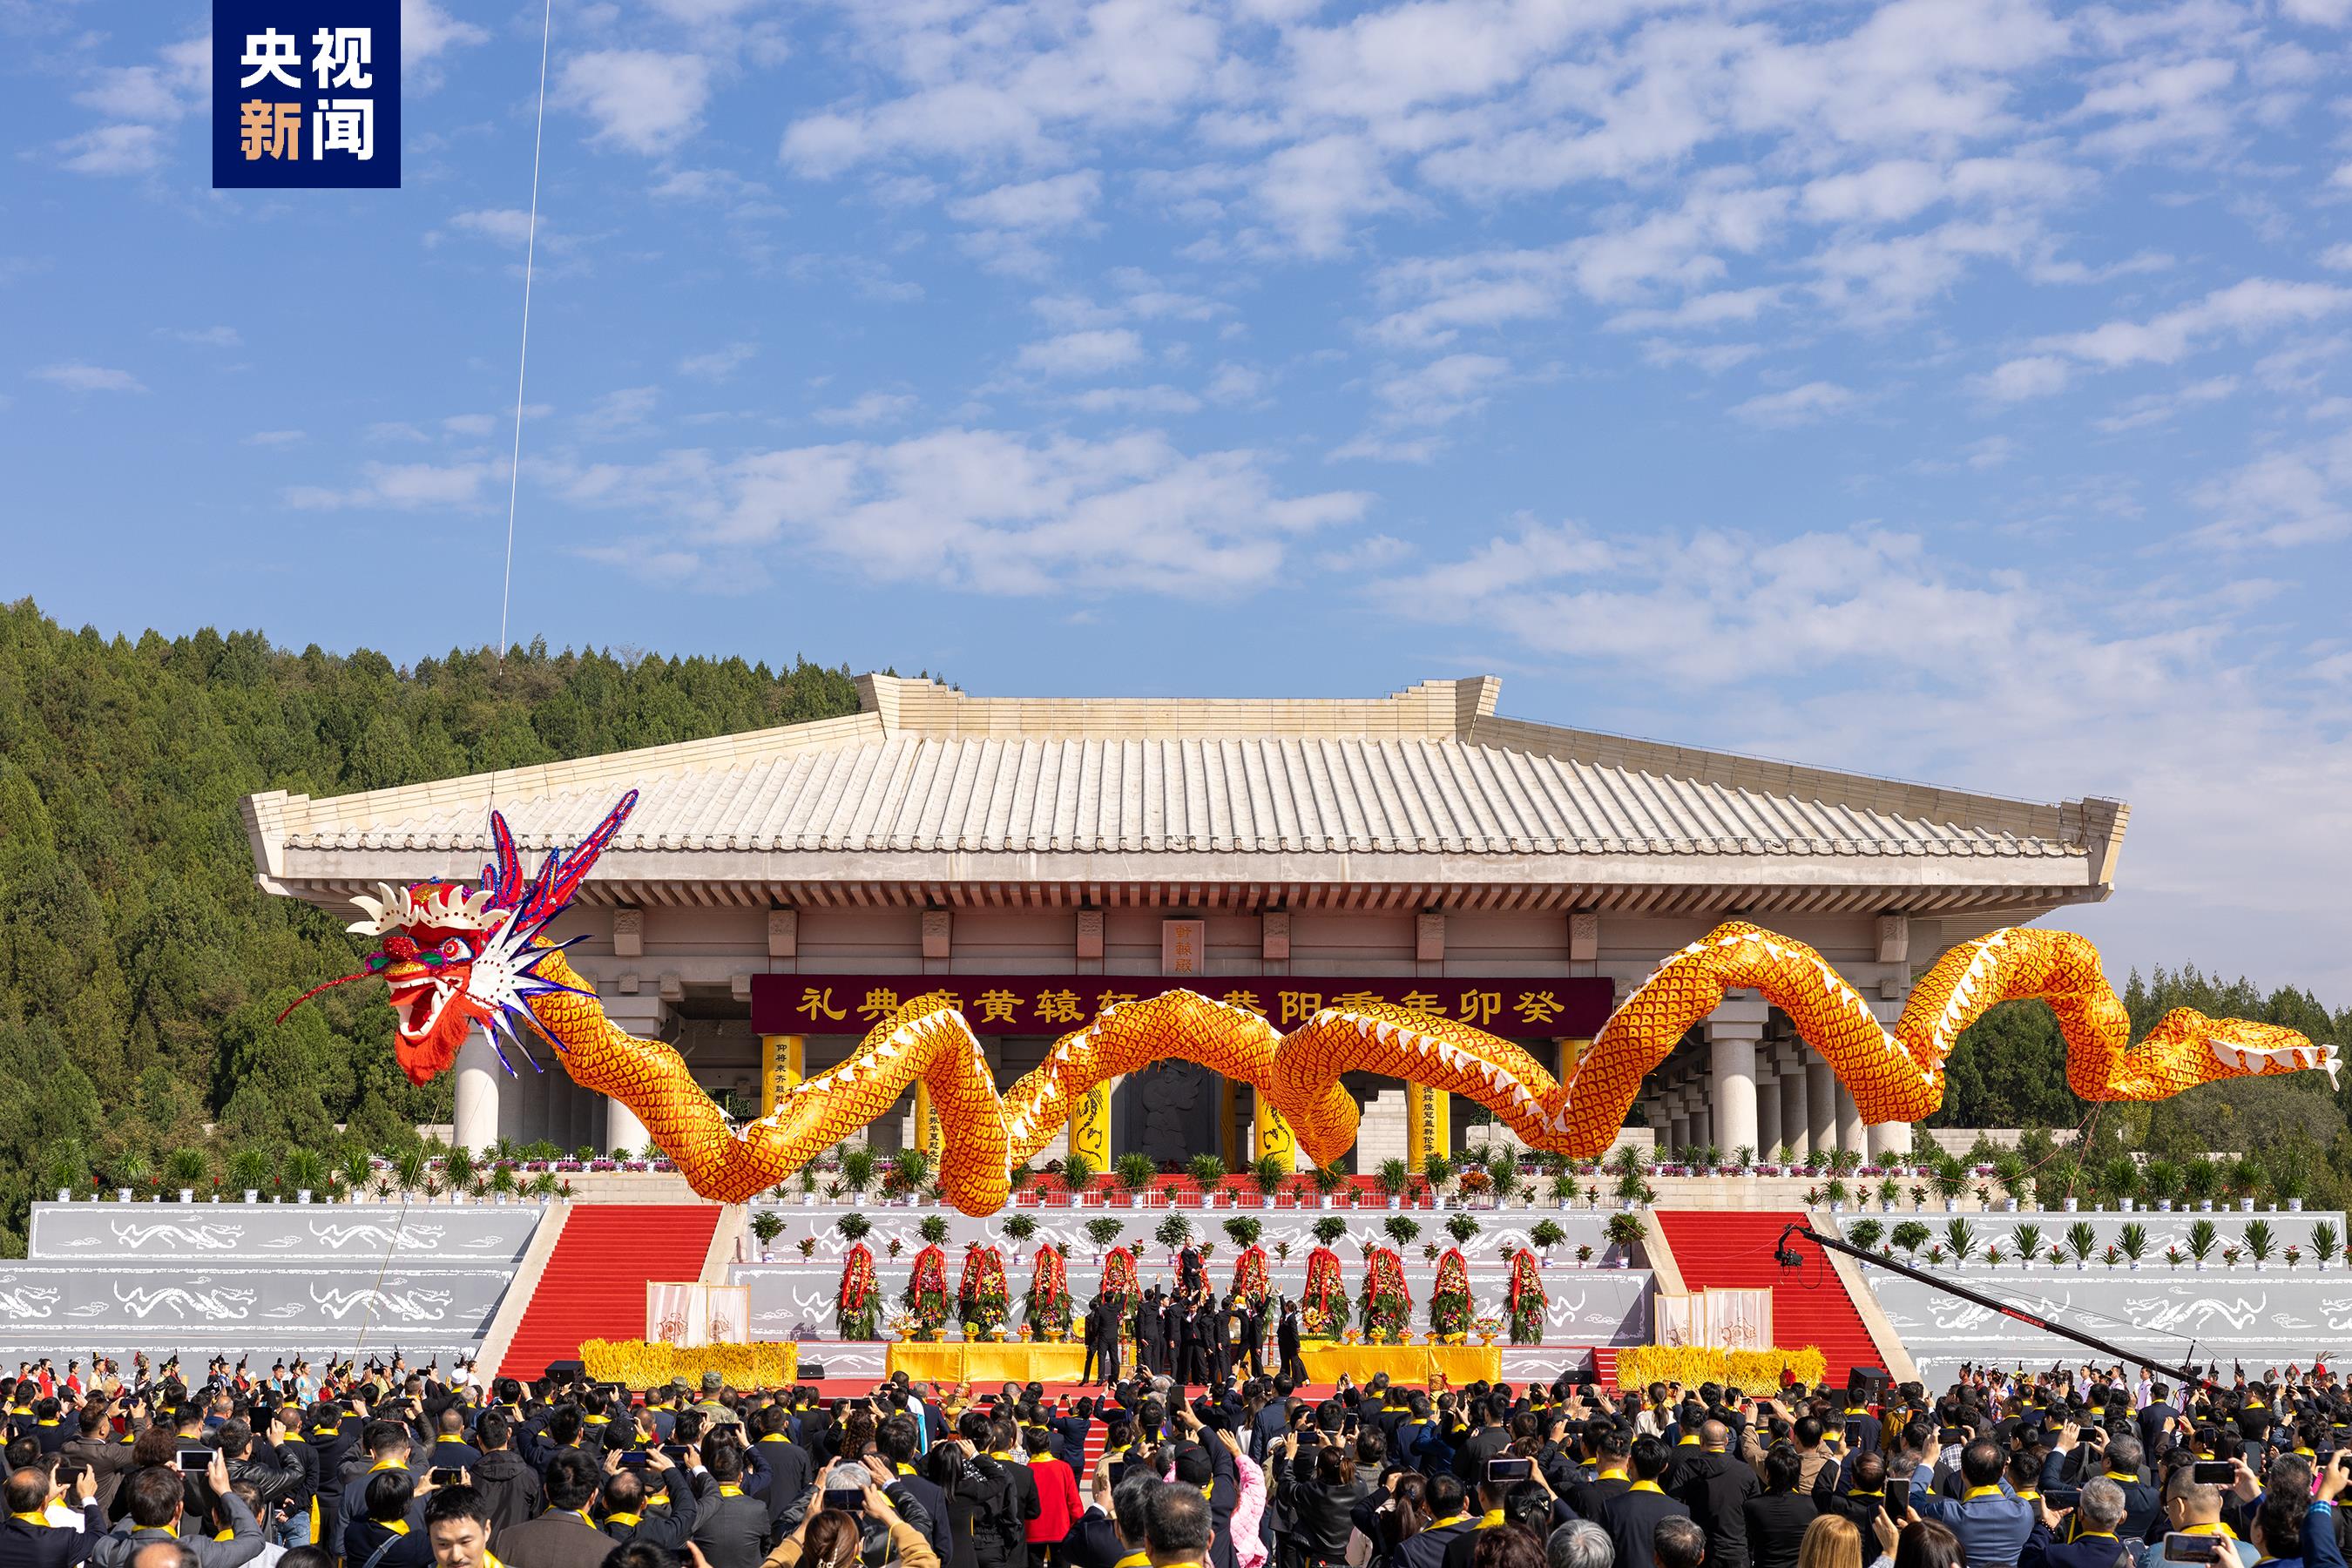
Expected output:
{"points": [[1404, 1364], [981, 1365], [770, 1364]]}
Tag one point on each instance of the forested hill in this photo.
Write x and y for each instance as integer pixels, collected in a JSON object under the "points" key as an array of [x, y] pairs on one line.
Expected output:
{"points": [[139, 965]]}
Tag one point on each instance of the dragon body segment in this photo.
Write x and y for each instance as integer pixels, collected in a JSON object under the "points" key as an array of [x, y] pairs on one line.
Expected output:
{"points": [[457, 957]]}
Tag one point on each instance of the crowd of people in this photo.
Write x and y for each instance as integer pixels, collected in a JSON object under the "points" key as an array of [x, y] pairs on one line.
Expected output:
{"points": [[392, 1466], [1188, 1334]]}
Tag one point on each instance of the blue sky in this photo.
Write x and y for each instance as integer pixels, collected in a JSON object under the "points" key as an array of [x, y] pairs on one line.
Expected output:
{"points": [[1952, 389]]}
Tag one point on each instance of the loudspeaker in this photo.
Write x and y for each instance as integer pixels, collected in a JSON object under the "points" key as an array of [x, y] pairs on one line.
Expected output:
{"points": [[568, 1370], [1867, 1379], [810, 1372]]}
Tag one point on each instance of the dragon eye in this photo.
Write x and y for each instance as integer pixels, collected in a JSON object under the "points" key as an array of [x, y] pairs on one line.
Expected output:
{"points": [[453, 948]]}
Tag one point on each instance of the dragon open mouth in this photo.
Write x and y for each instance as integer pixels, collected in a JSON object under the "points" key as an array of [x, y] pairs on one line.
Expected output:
{"points": [[419, 1014]]}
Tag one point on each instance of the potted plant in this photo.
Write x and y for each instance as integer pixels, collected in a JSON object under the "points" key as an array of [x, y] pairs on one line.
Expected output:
{"points": [[1104, 1233], [2133, 1240], [2288, 1185], [766, 1226], [1584, 1254], [2258, 1242], [2323, 1242], [1563, 1189], [1018, 1229], [857, 1167], [1910, 1235], [1436, 1170], [2159, 1182], [2199, 1180], [1546, 1235], [2202, 1239], [1206, 1171], [1462, 1228], [1836, 1193], [807, 1245], [1244, 1231], [2243, 1175], [2080, 1240], [2294, 1254], [1626, 1232], [1134, 1172], [2062, 1175], [1329, 1178], [1396, 1180], [1889, 1191], [2119, 1179], [1403, 1230], [1268, 1171], [2009, 1171], [933, 1229], [2028, 1241], [1077, 1176], [1962, 1237], [1951, 1179], [1329, 1229], [1865, 1234], [853, 1226]]}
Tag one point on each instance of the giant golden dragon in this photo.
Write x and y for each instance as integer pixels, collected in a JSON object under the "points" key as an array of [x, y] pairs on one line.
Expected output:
{"points": [[457, 957]]}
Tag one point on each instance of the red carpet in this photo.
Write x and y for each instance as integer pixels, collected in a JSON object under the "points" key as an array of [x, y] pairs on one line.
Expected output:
{"points": [[1723, 1247], [595, 1286]]}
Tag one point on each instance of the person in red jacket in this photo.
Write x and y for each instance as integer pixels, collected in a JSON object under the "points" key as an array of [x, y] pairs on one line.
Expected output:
{"points": [[1058, 1503]]}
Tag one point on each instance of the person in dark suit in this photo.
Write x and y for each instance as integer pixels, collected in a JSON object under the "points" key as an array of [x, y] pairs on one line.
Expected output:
{"points": [[561, 1537], [1632, 1516], [1150, 1341], [778, 1471], [1286, 1341], [1202, 1358], [733, 1528], [1717, 1490], [1190, 1276], [665, 1519], [895, 1441], [1176, 1333], [24, 1544], [1448, 1522], [2097, 1514], [1254, 1333], [1093, 1328]]}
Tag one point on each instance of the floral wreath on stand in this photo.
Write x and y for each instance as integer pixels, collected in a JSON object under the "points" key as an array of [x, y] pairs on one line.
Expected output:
{"points": [[1387, 1300], [926, 1294], [1047, 1308], [981, 1295], [1323, 1304], [1249, 1274], [858, 1306], [1449, 1300], [1528, 1300], [1118, 1280]]}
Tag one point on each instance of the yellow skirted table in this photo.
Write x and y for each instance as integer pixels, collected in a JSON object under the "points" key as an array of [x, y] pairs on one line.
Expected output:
{"points": [[636, 1363], [986, 1363], [1403, 1364]]}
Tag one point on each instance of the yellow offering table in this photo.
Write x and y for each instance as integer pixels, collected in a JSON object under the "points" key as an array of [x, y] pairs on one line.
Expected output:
{"points": [[981, 1364], [1325, 1359]]}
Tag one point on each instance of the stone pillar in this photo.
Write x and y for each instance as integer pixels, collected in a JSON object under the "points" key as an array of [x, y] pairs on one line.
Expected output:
{"points": [[1733, 1030], [1089, 1126], [1820, 1106], [475, 1125], [1889, 1141], [1849, 1122], [1429, 1124], [1228, 1142], [1272, 1135], [1767, 1118], [783, 1062]]}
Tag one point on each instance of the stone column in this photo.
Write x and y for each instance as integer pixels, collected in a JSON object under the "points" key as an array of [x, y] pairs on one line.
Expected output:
{"points": [[1820, 1106], [1767, 1118], [475, 1125], [1849, 1122], [1732, 1031]]}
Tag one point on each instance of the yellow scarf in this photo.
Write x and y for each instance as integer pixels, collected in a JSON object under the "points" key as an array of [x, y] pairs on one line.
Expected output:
{"points": [[1647, 1487], [2215, 1528], [1490, 1519], [39, 1521], [729, 1489], [1975, 1492], [397, 1526], [628, 1519], [1610, 1476], [1442, 1523], [1133, 1560]]}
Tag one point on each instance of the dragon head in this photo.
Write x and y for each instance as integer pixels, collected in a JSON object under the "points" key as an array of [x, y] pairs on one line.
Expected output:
{"points": [[456, 956]]}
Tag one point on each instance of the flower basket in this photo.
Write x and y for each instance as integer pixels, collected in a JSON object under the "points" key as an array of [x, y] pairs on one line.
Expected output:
{"points": [[857, 1306], [1525, 1302], [981, 1295], [925, 1296]]}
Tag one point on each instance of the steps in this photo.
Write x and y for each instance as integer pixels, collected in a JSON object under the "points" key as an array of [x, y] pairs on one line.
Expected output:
{"points": [[1723, 1247], [595, 1286]]}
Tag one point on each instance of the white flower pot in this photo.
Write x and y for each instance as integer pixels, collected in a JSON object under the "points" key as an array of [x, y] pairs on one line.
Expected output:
{"points": [[253, 1194], [2072, 1204], [187, 1194], [2125, 1204], [1395, 1204], [2294, 1205], [2245, 1206]]}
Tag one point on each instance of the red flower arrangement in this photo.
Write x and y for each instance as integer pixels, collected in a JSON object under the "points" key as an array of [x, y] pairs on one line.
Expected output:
{"points": [[1449, 1302], [1249, 1273], [981, 1295], [857, 1303], [1323, 1305], [1047, 1305], [1387, 1300], [927, 1292], [1118, 1280], [1528, 1300]]}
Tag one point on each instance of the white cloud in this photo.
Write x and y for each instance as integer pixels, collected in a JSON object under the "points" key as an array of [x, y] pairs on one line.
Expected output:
{"points": [[641, 99], [275, 437], [2297, 496], [2255, 305], [870, 408], [1049, 203], [500, 225], [718, 363], [1091, 353], [75, 376], [113, 150], [472, 425], [1806, 404], [203, 337], [2032, 375], [2161, 408], [404, 487], [1235, 384], [428, 32], [985, 511], [1159, 399]]}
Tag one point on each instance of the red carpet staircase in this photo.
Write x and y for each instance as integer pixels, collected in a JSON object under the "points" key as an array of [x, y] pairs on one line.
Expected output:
{"points": [[595, 1286], [1725, 1247]]}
